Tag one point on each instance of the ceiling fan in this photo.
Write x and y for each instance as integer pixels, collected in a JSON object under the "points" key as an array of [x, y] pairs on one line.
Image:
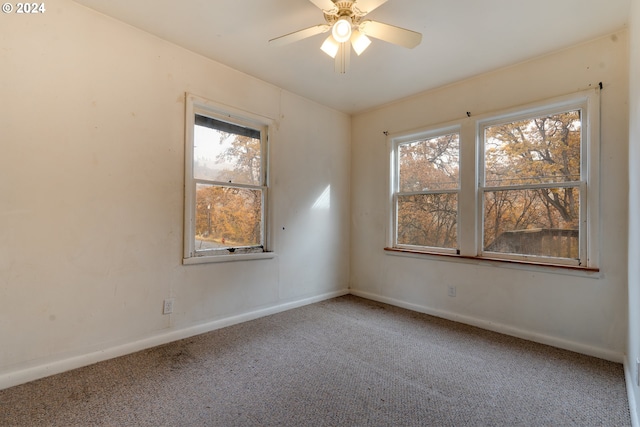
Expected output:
{"points": [[345, 20]]}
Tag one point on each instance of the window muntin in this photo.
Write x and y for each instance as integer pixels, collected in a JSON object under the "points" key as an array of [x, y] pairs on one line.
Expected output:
{"points": [[226, 183], [426, 198], [533, 187]]}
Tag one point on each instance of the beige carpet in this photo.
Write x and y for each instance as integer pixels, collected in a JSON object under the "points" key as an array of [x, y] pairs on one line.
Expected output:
{"points": [[343, 362]]}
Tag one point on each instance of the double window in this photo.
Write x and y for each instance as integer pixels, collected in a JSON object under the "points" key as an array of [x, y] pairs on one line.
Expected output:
{"points": [[226, 183], [528, 190]]}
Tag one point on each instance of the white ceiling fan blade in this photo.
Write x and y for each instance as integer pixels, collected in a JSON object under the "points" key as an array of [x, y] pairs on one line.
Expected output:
{"points": [[343, 58], [391, 34], [326, 5], [366, 6], [299, 35]]}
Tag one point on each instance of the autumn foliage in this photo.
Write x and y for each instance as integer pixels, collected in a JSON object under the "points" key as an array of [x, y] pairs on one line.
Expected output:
{"points": [[531, 192], [429, 219], [229, 208]]}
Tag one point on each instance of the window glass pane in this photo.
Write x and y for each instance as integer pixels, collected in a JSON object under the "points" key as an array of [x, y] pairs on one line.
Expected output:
{"points": [[428, 220], [539, 150], [227, 217], [230, 154], [431, 164], [542, 222]]}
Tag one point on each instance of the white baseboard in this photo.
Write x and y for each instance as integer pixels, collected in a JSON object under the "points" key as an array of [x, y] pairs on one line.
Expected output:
{"points": [[497, 327], [48, 367], [630, 381]]}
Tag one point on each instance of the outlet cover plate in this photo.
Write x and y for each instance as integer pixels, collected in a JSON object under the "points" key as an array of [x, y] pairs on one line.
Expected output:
{"points": [[167, 307]]}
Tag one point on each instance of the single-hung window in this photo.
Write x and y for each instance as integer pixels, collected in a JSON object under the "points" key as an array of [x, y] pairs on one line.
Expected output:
{"points": [[426, 187], [226, 183], [534, 190]]}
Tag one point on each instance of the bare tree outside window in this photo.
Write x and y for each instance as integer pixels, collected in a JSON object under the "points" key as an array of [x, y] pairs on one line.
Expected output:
{"points": [[427, 197], [227, 165], [532, 186]]}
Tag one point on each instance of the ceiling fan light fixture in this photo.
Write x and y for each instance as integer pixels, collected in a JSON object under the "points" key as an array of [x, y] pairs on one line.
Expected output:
{"points": [[360, 42], [330, 47], [341, 30], [344, 20]]}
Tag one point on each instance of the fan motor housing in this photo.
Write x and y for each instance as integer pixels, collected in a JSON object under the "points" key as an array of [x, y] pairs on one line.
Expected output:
{"points": [[345, 8]]}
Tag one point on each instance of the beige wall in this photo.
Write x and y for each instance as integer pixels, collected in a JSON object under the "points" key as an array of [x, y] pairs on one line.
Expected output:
{"points": [[633, 349], [91, 218], [582, 312]]}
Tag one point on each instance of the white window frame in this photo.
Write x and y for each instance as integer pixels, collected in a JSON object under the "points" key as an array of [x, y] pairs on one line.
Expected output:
{"points": [[471, 193], [406, 138], [201, 106]]}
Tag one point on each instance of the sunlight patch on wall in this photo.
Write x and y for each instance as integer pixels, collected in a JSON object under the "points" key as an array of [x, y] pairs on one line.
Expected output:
{"points": [[324, 201]]}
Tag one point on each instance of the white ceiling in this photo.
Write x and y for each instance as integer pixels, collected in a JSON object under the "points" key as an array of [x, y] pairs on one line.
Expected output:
{"points": [[461, 38]]}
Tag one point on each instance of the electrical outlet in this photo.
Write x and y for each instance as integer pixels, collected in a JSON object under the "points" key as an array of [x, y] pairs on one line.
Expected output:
{"points": [[451, 291], [167, 308]]}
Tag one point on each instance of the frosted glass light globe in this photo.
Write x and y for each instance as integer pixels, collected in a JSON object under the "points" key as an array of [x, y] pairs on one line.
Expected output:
{"points": [[341, 30]]}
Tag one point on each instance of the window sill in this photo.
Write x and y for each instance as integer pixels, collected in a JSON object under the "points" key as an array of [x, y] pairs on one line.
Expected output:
{"points": [[227, 258], [494, 262]]}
